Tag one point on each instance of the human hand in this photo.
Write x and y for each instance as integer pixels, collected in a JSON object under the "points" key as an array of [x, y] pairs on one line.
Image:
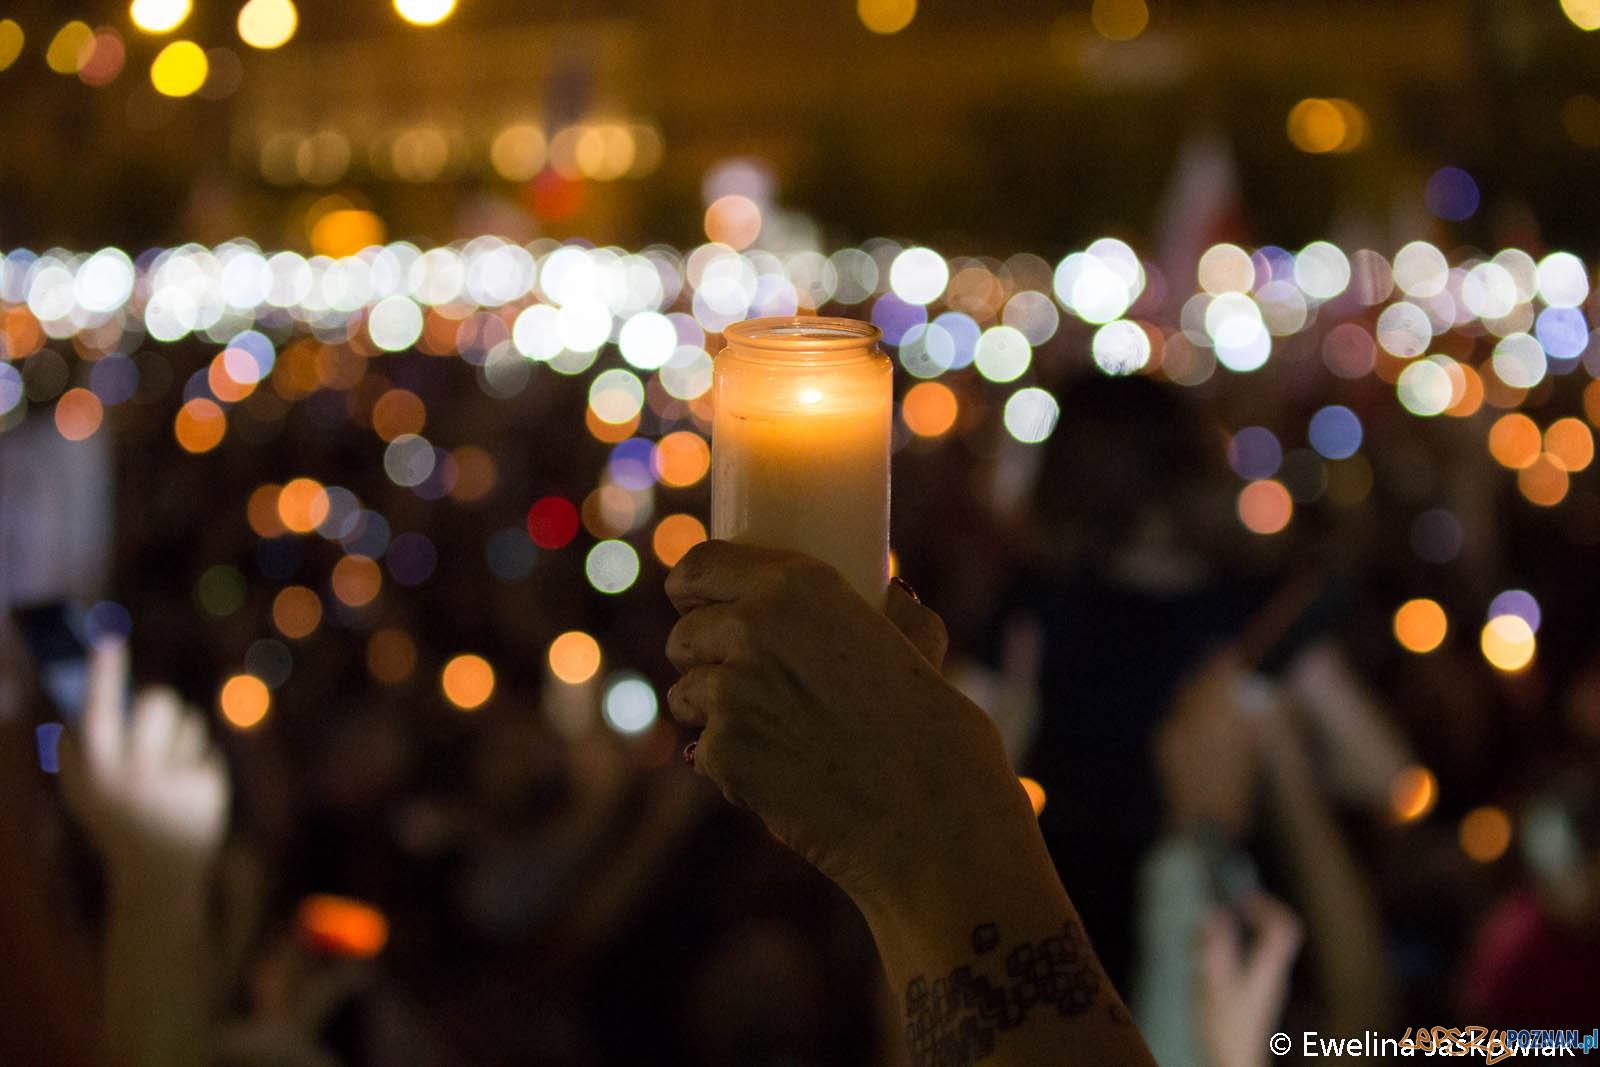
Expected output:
{"points": [[1242, 995], [822, 716], [1206, 750], [150, 788]]}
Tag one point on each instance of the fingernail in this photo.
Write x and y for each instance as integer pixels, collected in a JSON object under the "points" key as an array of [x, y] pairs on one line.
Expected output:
{"points": [[688, 752], [905, 587]]}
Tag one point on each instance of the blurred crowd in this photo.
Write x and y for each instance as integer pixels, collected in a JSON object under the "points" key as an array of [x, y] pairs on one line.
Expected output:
{"points": [[1270, 814]]}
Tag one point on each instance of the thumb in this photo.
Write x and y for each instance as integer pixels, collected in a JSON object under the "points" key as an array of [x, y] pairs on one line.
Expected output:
{"points": [[920, 624]]}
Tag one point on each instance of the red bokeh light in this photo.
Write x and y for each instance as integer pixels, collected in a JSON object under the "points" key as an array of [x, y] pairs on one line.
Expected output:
{"points": [[553, 522]]}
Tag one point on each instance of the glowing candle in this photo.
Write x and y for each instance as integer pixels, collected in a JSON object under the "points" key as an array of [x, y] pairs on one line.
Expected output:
{"points": [[800, 443]]}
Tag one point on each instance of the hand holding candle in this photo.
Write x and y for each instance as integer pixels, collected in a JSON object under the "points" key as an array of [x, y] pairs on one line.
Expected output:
{"points": [[800, 444]]}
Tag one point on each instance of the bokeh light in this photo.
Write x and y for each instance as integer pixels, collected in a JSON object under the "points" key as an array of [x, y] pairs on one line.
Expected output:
{"points": [[630, 705], [1335, 432], [1584, 14], [612, 566], [180, 69], [341, 926], [552, 522], [1413, 794], [302, 505], [1322, 126], [267, 24], [681, 458], [1452, 194], [199, 425], [930, 409], [518, 152], [1569, 444], [1030, 415], [574, 657], [12, 40], [78, 414], [733, 220], [675, 535], [296, 612], [159, 16], [886, 16], [1035, 792], [1508, 643], [467, 681], [1420, 625], [1119, 20], [356, 581], [221, 590], [1265, 506], [1485, 834], [70, 48], [391, 656], [1544, 483], [425, 12], [244, 701]]}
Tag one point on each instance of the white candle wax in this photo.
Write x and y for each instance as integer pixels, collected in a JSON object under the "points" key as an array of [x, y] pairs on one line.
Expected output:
{"points": [[800, 444]]}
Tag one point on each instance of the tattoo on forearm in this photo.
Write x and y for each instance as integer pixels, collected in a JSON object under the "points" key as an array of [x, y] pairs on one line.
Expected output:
{"points": [[956, 1020]]}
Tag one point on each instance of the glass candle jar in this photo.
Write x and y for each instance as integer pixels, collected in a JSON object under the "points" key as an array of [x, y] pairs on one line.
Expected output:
{"points": [[800, 443]]}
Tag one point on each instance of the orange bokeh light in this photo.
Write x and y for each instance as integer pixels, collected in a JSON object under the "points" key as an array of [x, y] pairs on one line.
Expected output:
{"points": [[574, 657], [397, 412], [343, 927], [303, 505], [467, 681], [244, 701], [1514, 441], [1485, 834], [296, 611], [200, 425], [1035, 793], [1413, 793], [1420, 625], [1471, 392], [391, 656], [223, 386], [608, 432], [733, 220], [930, 409], [1544, 483], [357, 581], [475, 473], [682, 458], [262, 511], [79, 414], [1591, 403], [675, 535], [1265, 506], [1569, 444]]}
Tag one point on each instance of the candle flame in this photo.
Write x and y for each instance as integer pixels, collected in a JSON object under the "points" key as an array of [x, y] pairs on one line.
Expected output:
{"points": [[810, 396]]}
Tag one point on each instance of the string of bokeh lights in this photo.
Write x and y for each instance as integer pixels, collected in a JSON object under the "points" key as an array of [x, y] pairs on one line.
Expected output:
{"points": [[1490, 334]]}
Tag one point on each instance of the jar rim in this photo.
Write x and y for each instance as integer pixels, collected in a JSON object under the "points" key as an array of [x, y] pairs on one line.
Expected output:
{"points": [[800, 335]]}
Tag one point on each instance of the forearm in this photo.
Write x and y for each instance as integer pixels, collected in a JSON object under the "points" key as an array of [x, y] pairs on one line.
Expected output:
{"points": [[158, 996], [990, 959]]}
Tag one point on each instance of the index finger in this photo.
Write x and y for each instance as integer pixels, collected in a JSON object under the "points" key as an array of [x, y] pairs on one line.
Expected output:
{"points": [[103, 700], [716, 572]]}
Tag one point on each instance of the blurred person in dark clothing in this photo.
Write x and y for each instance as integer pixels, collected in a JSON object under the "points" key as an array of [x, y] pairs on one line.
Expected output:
{"points": [[1131, 584], [1137, 573]]}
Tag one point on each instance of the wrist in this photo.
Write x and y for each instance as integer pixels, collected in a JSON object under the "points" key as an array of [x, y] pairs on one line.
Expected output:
{"points": [[980, 860]]}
